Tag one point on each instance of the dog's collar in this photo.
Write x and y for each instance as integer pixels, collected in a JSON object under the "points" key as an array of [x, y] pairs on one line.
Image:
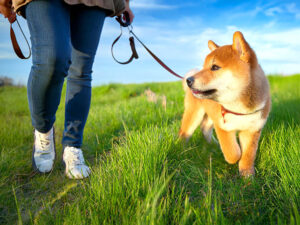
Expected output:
{"points": [[224, 111]]}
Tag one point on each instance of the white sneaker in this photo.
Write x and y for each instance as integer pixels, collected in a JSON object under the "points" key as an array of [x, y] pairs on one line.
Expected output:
{"points": [[43, 154], [74, 162]]}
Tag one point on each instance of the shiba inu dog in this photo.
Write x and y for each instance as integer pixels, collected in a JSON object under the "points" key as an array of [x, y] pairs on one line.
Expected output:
{"points": [[230, 94]]}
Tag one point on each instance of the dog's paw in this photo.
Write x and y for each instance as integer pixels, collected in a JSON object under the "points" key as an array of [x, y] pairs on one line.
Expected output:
{"points": [[247, 173], [184, 136], [209, 137], [234, 156]]}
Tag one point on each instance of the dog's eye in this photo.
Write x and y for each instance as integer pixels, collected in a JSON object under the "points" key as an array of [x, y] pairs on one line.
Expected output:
{"points": [[215, 67]]}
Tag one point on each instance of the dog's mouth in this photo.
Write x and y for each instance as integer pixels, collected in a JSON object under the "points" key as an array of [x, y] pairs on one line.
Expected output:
{"points": [[204, 93]]}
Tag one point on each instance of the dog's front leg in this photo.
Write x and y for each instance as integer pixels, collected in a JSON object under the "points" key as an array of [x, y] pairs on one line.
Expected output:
{"points": [[229, 145], [191, 119], [249, 142]]}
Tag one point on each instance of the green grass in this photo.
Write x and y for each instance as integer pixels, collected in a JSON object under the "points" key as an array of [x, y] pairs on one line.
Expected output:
{"points": [[142, 173]]}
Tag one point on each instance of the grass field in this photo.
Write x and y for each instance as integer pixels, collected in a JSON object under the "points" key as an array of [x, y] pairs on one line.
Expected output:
{"points": [[142, 173]]}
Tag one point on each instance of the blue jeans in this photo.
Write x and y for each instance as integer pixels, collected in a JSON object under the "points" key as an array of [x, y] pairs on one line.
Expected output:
{"points": [[64, 41]]}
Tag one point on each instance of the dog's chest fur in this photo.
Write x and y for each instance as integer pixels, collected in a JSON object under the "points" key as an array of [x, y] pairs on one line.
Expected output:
{"points": [[232, 122]]}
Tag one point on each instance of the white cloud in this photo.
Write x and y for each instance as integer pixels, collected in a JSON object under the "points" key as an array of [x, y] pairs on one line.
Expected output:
{"points": [[182, 42], [142, 4], [5, 45], [7, 55], [273, 11], [4, 24], [186, 47], [281, 9], [240, 12], [292, 8]]}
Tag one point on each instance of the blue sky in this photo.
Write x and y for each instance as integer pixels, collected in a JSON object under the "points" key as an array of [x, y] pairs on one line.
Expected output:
{"points": [[178, 31]]}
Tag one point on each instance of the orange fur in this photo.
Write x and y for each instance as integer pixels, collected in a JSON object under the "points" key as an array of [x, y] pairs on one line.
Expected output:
{"points": [[231, 78]]}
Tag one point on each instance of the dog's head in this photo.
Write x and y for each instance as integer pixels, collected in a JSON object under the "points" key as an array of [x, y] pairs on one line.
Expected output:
{"points": [[226, 71]]}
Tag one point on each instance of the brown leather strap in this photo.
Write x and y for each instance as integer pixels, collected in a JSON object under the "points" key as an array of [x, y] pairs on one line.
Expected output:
{"points": [[135, 55], [133, 50], [156, 58], [15, 44]]}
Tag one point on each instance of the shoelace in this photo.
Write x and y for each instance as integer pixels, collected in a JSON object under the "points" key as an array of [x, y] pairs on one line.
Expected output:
{"points": [[43, 144], [75, 157]]}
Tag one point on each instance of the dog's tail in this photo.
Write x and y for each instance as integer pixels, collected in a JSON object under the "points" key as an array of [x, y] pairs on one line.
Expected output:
{"points": [[187, 75]]}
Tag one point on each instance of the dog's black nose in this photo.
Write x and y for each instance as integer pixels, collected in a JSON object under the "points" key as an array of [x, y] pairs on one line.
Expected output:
{"points": [[190, 81]]}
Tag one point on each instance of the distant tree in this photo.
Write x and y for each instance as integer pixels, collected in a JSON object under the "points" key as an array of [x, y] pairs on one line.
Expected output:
{"points": [[6, 81]]}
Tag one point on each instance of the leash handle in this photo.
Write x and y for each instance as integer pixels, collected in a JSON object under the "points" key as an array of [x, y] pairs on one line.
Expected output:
{"points": [[15, 44], [133, 50], [124, 19]]}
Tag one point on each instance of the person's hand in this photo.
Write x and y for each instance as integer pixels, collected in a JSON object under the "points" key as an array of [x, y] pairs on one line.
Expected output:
{"points": [[6, 10], [127, 9]]}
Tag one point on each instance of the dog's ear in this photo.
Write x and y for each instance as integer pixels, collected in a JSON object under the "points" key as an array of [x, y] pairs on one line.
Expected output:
{"points": [[241, 46], [212, 45]]}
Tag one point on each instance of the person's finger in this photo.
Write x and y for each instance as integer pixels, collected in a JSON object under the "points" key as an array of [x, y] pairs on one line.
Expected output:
{"points": [[131, 16], [128, 10]]}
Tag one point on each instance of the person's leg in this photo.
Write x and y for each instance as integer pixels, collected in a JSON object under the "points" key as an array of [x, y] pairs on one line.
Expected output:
{"points": [[48, 23], [86, 26], [49, 26]]}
